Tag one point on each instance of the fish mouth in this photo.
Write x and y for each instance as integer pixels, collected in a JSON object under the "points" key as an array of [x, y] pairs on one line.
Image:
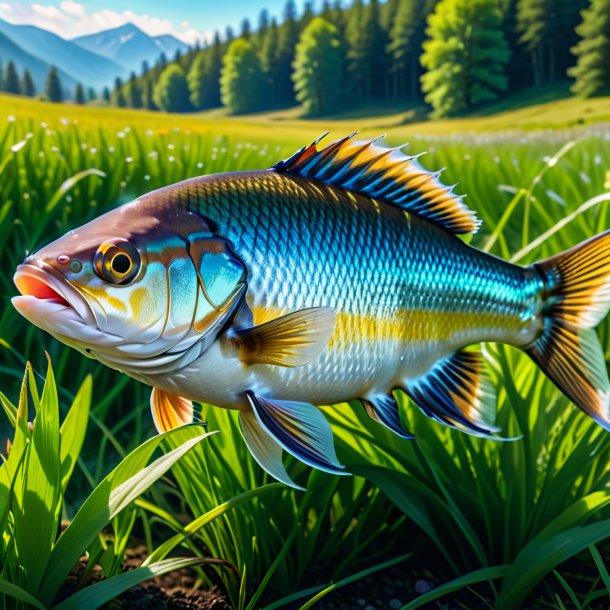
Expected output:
{"points": [[45, 293]]}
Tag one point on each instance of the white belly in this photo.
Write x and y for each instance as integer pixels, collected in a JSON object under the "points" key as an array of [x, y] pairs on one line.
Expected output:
{"points": [[336, 375]]}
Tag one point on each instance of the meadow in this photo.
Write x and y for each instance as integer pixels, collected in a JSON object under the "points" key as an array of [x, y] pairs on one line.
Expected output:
{"points": [[488, 524]]}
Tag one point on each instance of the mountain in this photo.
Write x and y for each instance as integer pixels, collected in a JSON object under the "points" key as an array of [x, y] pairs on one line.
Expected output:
{"points": [[38, 68], [129, 46], [83, 66]]}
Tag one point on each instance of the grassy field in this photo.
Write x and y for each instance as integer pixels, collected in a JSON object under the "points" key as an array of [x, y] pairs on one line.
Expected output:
{"points": [[502, 516]]}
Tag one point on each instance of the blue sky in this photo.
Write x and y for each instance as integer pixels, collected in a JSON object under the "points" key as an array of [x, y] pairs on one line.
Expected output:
{"points": [[185, 19]]}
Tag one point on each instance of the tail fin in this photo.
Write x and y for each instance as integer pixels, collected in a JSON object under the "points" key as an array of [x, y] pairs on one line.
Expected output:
{"points": [[577, 298]]}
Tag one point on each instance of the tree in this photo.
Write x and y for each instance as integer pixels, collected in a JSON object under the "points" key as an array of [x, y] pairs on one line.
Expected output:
{"points": [[134, 93], [269, 64], [106, 95], [52, 87], [79, 94], [465, 55], [407, 34], [241, 78], [148, 98], [27, 84], [171, 91], [145, 68], [318, 67], [11, 79], [118, 96], [92, 94], [246, 30], [204, 76], [547, 29], [592, 70], [288, 37]]}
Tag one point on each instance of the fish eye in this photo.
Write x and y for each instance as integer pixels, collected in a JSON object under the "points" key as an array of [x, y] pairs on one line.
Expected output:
{"points": [[117, 262]]}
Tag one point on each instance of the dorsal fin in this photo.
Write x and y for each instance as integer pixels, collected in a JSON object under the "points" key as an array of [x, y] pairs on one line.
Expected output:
{"points": [[385, 174]]}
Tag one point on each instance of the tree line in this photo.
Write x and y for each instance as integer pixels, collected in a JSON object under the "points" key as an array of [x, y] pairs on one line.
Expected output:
{"points": [[455, 54]]}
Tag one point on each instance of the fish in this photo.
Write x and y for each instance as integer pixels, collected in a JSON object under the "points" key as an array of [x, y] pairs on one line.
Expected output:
{"points": [[340, 274]]}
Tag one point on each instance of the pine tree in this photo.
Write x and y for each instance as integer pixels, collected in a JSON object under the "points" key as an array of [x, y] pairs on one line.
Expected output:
{"points": [[407, 35], [547, 29], [106, 95], [288, 37], [79, 94], [465, 55], [366, 50], [308, 14], [269, 64], [229, 34], [263, 21], [318, 67], [27, 84], [92, 94], [52, 87], [118, 96], [246, 30], [204, 76], [171, 91], [242, 79], [11, 79], [134, 93], [145, 68], [592, 70], [148, 98], [519, 68]]}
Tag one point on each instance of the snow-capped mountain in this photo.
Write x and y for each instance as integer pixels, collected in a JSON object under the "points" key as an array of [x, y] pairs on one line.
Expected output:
{"points": [[129, 46]]}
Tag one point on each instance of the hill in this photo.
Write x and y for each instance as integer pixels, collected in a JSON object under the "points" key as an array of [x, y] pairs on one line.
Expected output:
{"points": [[80, 65], [37, 67]]}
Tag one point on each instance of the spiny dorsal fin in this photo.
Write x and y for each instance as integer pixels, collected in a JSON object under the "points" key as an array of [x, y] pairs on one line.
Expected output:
{"points": [[385, 174]]}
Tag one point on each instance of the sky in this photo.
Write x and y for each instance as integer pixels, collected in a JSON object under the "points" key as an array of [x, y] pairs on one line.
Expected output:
{"points": [[188, 20]]}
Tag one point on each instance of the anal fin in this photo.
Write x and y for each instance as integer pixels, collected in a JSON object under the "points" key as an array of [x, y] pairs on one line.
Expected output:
{"points": [[457, 391], [384, 410], [170, 411]]}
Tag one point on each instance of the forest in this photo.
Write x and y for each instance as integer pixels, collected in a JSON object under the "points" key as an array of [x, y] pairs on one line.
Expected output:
{"points": [[455, 55]]}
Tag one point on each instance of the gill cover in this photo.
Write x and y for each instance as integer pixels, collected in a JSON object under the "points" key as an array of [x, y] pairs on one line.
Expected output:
{"points": [[221, 279]]}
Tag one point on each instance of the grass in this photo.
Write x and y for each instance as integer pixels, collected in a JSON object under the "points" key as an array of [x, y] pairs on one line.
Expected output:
{"points": [[488, 513]]}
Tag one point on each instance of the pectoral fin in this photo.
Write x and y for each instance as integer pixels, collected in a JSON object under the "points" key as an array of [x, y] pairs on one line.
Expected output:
{"points": [[292, 340], [300, 428], [170, 411], [265, 450]]}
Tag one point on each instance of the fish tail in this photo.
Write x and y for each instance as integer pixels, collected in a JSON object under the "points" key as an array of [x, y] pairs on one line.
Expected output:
{"points": [[576, 296]]}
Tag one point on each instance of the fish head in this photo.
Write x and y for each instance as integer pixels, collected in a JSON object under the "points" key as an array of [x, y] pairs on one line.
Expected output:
{"points": [[136, 288]]}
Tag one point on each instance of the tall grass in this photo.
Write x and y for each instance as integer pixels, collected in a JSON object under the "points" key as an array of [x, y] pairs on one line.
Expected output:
{"points": [[481, 504]]}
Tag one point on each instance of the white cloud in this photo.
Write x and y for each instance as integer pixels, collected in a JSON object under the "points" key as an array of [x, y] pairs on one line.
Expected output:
{"points": [[71, 19]]}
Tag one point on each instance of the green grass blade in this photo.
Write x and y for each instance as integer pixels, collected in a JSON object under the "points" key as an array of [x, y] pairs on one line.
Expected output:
{"points": [[123, 485], [8, 588], [73, 430], [162, 551], [473, 578], [40, 503], [97, 595], [599, 562], [68, 184], [543, 554], [353, 578]]}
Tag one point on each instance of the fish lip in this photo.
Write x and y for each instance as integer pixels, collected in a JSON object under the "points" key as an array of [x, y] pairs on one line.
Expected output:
{"points": [[67, 295]]}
